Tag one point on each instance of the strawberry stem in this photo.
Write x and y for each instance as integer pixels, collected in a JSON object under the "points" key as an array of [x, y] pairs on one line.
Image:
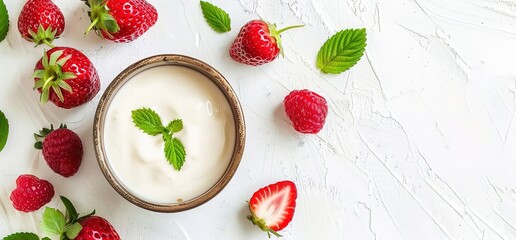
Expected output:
{"points": [[288, 28], [276, 34], [92, 25], [48, 43]]}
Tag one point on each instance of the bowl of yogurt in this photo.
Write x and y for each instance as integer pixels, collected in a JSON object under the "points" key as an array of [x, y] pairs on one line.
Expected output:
{"points": [[139, 154]]}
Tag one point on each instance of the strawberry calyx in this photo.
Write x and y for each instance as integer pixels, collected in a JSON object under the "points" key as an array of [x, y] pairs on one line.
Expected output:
{"points": [[43, 133], [274, 32], [101, 19], [261, 224], [52, 76], [43, 36]]}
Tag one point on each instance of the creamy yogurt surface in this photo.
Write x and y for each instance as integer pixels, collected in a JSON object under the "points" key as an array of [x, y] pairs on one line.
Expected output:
{"points": [[138, 159]]}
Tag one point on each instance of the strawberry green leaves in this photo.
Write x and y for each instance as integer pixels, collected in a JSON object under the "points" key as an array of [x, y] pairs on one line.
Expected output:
{"points": [[342, 51], [217, 18], [149, 122], [4, 21], [4, 130]]}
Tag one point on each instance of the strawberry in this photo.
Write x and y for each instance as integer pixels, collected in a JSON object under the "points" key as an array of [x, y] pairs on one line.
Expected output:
{"points": [[272, 207], [62, 149], [121, 20], [31, 193], [96, 228], [66, 68], [41, 21], [257, 43], [73, 226]]}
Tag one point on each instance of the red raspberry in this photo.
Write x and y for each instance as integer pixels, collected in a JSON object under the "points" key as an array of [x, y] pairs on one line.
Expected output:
{"points": [[307, 110], [31, 193], [62, 150]]}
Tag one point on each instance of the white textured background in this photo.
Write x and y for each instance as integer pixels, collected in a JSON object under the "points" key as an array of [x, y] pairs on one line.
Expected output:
{"points": [[420, 141]]}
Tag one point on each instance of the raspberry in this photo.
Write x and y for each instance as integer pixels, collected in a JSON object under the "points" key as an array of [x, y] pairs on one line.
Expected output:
{"points": [[62, 150], [31, 193], [307, 110]]}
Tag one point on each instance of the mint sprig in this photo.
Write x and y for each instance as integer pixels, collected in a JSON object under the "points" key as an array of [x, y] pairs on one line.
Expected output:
{"points": [[217, 18], [149, 122], [4, 130], [4, 21], [342, 51]]}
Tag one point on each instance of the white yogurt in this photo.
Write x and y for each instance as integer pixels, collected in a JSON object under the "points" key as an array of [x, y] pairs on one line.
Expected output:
{"points": [[138, 159]]}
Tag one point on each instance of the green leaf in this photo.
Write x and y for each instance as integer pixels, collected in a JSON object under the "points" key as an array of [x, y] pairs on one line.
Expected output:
{"points": [[110, 22], [73, 230], [342, 51], [175, 126], [4, 130], [22, 235], [175, 153], [148, 121], [53, 221], [217, 18], [4, 21], [46, 238], [71, 212]]}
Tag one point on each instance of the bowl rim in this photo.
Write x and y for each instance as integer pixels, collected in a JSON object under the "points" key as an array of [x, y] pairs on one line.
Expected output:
{"points": [[127, 74]]}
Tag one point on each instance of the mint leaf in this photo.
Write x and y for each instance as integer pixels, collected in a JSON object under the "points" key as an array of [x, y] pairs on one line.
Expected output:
{"points": [[175, 126], [342, 51], [175, 153], [217, 18], [53, 221], [148, 121], [4, 129], [22, 235], [73, 230], [4, 21]]}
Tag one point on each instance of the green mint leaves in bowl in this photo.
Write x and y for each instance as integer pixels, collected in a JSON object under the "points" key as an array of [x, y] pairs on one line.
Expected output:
{"points": [[149, 122]]}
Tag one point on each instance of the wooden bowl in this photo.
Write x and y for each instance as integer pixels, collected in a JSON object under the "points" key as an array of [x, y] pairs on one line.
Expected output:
{"points": [[126, 75]]}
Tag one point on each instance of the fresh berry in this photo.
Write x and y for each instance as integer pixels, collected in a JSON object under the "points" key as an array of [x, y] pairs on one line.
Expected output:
{"points": [[41, 21], [31, 193], [62, 149], [257, 43], [307, 110], [272, 207], [96, 228], [73, 226], [121, 20], [66, 77]]}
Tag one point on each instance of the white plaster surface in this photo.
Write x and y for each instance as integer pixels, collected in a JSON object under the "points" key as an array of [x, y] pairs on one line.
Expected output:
{"points": [[420, 140]]}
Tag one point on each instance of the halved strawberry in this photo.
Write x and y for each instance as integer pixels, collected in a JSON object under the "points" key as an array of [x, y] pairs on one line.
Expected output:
{"points": [[272, 207]]}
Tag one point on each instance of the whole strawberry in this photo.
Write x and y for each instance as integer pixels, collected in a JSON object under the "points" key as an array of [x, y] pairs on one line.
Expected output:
{"points": [[62, 149], [31, 193], [41, 21], [73, 226], [272, 207], [307, 110], [257, 43], [121, 20], [66, 77]]}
